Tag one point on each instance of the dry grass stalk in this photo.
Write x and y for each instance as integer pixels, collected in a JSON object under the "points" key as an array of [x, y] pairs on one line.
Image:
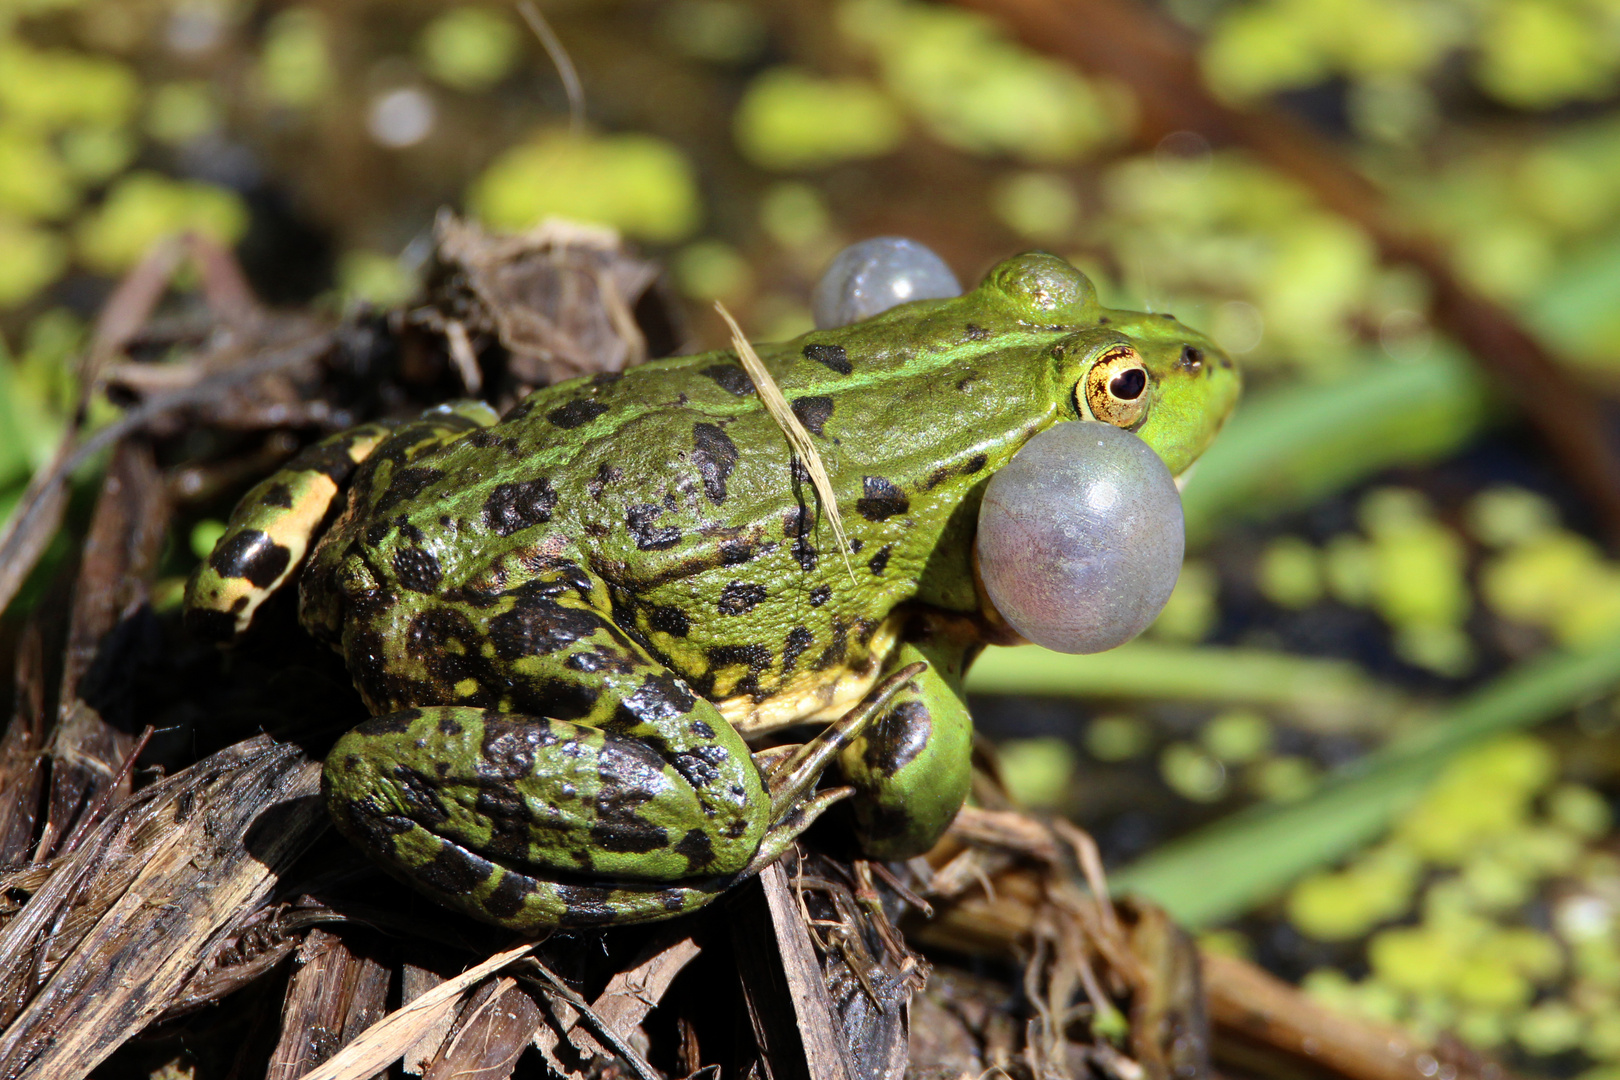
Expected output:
{"points": [[798, 438]]}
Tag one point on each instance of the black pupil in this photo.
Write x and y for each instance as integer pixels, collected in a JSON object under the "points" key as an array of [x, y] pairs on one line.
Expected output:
{"points": [[1128, 384]]}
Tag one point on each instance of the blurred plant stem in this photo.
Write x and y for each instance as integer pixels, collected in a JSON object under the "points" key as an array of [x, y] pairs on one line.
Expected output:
{"points": [[1220, 872], [1285, 449], [1322, 693]]}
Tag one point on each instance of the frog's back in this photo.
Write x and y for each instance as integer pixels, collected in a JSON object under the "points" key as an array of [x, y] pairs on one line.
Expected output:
{"points": [[673, 486]]}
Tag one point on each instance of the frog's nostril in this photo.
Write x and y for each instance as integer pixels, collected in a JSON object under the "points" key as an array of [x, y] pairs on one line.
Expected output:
{"points": [[1128, 384], [1191, 359]]}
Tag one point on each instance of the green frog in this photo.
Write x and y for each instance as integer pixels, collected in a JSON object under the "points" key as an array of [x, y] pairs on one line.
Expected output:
{"points": [[568, 621]]}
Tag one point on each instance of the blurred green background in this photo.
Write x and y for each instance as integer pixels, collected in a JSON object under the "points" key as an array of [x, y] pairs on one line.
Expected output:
{"points": [[1323, 753]]}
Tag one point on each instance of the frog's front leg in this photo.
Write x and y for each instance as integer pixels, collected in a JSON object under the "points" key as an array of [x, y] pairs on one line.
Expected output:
{"points": [[912, 768], [645, 806]]}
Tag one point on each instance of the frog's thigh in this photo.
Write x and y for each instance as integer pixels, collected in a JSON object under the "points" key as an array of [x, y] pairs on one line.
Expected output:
{"points": [[478, 808], [912, 769]]}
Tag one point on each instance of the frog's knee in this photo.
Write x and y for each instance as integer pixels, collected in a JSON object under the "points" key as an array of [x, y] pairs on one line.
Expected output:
{"points": [[911, 773]]}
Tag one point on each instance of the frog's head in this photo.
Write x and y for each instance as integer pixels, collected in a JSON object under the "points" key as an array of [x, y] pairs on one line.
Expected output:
{"points": [[1144, 372]]}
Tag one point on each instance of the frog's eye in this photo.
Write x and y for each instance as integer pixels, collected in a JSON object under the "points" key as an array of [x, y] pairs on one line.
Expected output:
{"points": [[870, 277], [1116, 388]]}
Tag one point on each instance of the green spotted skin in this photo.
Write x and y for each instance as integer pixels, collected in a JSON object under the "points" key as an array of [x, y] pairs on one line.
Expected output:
{"points": [[566, 620]]}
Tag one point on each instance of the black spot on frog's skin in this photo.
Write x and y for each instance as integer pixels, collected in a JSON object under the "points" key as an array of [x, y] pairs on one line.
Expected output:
{"points": [[250, 554], [668, 620], [641, 520], [945, 472], [417, 570], [740, 597], [755, 657], [454, 871], [796, 527], [730, 378], [820, 595], [833, 356], [798, 639], [631, 837], [418, 796], [517, 506], [836, 648], [606, 378], [700, 729], [576, 413], [975, 333], [407, 483], [898, 737], [855, 545], [700, 766], [394, 723], [332, 460], [715, 455], [882, 499], [508, 750], [278, 495], [697, 849], [659, 698], [506, 899], [605, 475], [586, 905], [879, 562], [539, 626], [1191, 359], [735, 552], [448, 725], [1103, 320], [813, 412]]}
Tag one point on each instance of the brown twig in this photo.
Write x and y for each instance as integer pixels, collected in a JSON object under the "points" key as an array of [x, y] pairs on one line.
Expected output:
{"points": [[1131, 42]]}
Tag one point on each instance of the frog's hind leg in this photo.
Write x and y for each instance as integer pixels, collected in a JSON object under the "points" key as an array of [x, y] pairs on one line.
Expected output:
{"points": [[911, 770], [643, 804], [269, 534]]}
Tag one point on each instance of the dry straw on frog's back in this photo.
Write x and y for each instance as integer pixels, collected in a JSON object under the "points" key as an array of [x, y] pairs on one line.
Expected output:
{"points": [[798, 438]]}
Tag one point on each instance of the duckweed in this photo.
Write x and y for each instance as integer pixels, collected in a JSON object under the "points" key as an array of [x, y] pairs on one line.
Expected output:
{"points": [[144, 207], [1036, 771], [1192, 772], [1290, 573], [1118, 737], [791, 119], [639, 184], [469, 48]]}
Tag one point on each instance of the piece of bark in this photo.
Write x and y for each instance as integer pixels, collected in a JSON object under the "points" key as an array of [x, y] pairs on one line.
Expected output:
{"points": [[562, 298], [634, 992], [1142, 48], [87, 751], [491, 1032], [387, 1039], [798, 1031], [414, 981], [21, 768], [125, 920], [334, 996]]}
